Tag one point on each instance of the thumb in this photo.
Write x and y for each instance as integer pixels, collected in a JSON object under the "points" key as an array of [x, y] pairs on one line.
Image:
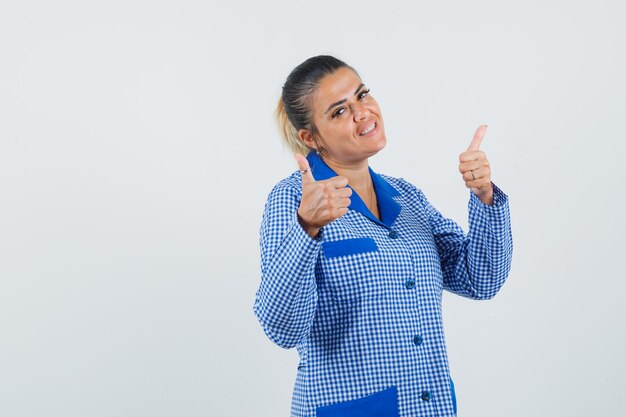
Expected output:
{"points": [[303, 164], [478, 138]]}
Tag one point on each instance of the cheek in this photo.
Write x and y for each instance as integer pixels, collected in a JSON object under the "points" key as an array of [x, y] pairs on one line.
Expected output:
{"points": [[350, 130], [376, 109], [341, 128]]}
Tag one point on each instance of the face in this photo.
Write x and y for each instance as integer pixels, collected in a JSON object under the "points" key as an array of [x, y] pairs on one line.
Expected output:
{"points": [[348, 120]]}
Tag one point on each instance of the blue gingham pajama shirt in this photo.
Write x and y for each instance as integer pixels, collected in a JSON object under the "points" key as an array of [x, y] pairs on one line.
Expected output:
{"points": [[361, 301]]}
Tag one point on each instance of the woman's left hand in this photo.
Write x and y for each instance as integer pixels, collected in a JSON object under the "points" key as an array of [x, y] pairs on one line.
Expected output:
{"points": [[474, 168]]}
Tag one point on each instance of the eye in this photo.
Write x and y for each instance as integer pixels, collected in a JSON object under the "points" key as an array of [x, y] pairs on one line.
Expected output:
{"points": [[338, 112]]}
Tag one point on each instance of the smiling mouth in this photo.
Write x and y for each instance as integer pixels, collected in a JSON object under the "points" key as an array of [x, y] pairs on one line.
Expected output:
{"points": [[369, 129]]}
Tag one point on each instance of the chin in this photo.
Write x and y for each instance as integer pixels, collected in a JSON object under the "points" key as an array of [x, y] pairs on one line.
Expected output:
{"points": [[381, 144]]}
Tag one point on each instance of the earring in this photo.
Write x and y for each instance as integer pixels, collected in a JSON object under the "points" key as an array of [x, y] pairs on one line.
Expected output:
{"points": [[317, 151]]}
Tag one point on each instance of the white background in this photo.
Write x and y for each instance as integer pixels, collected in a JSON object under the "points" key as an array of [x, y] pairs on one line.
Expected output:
{"points": [[137, 148]]}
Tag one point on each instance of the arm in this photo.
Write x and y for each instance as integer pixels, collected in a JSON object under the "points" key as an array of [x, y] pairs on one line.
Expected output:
{"points": [[286, 299], [477, 264]]}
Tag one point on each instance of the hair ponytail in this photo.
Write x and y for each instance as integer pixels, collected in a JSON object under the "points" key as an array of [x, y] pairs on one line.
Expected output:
{"points": [[287, 130]]}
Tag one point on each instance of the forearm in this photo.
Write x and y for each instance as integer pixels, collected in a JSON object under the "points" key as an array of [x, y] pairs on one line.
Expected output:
{"points": [[286, 300], [487, 260], [477, 264]]}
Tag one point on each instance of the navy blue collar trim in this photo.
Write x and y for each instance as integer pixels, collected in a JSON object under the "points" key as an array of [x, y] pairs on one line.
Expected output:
{"points": [[389, 209]]}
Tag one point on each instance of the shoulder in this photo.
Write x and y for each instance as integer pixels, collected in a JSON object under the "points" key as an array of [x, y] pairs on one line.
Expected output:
{"points": [[403, 186], [291, 183], [287, 189]]}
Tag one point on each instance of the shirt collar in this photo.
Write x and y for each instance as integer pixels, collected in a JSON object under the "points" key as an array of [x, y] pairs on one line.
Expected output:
{"points": [[388, 207]]}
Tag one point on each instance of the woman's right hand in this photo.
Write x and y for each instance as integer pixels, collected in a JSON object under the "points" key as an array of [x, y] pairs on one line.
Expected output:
{"points": [[322, 201]]}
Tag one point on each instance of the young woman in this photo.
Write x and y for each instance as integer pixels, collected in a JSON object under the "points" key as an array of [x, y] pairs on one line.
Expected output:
{"points": [[354, 263]]}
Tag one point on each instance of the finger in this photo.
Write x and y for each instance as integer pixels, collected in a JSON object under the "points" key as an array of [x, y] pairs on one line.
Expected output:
{"points": [[341, 202], [303, 164], [478, 174], [467, 156], [467, 176], [478, 138], [480, 183], [472, 165], [338, 181], [469, 166], [338, 212], [343, 192]]}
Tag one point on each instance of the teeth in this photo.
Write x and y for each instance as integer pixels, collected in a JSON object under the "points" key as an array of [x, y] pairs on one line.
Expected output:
{"points": [[368, 130]]}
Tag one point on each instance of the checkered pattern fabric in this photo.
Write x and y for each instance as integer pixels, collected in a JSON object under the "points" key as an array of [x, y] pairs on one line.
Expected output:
{"points": [[361, 302]]}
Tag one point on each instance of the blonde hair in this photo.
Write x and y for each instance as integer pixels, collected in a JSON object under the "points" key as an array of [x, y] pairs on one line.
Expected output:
{"points": [[287, 130]]}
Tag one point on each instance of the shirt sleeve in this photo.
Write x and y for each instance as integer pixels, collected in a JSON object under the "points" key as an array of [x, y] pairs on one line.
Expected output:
{"points": [[475, 265], [286, 300]]}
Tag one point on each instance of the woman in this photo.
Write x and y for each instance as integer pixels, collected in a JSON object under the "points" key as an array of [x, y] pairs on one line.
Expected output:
{"points": [[354, 262]]}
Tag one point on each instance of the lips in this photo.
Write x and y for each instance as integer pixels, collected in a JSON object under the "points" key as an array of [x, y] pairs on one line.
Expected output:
{"points": [[371, 127]]}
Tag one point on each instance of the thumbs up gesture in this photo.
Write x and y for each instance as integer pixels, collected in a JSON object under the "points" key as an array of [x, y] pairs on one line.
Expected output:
{"points": [[322, 201], [475, 170]]}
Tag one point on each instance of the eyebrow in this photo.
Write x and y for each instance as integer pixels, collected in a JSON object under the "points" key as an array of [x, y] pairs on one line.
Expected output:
{"points": [[342, 101]]}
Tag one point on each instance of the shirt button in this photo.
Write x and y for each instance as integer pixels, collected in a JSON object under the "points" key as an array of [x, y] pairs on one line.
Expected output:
{"points": [[425, 395], [393, 234], [409, 283], [417, 340]]}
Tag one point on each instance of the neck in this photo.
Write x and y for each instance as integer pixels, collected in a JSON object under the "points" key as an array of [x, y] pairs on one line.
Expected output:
{"points": [[357, 173]]}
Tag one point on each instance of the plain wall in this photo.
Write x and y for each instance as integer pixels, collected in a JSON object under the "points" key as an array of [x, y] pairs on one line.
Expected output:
{"points": [[137, 148]]}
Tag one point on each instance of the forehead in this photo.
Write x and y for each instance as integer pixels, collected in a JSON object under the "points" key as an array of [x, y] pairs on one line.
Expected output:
{"points": [[336, 86]]}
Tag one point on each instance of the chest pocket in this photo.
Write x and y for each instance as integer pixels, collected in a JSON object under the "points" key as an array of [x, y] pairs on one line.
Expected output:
{"points": [[352, 269]]}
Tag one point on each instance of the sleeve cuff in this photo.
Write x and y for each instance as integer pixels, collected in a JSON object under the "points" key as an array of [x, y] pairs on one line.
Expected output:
{"points": [[499, 198], [496, 213], [301, 234]]}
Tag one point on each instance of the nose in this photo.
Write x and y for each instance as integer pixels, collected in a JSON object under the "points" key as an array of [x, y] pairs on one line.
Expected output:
{"points": [[360, 112]]}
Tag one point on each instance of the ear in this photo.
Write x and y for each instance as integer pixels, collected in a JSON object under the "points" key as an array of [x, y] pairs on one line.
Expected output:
{"points": [[306, 136]]}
